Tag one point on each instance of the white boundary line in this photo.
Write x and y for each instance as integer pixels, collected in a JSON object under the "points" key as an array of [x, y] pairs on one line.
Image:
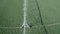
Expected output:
{"points": [[50, 25], [25, 25], [53, 24], [25, 9], [10, 27]]}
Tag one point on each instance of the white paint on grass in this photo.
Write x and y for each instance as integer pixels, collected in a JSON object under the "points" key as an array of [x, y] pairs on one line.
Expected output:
{"points": [[25, 25], [10, 27], [50, 25]]}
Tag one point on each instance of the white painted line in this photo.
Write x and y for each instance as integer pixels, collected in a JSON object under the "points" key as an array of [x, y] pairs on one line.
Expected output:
{"points": [[10, 27], [25, 25], [25, 9], [53, 24], [49, 25]]}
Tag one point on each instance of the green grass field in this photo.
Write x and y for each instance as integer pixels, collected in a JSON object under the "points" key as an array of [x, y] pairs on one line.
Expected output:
{"points": [[11, 15]]}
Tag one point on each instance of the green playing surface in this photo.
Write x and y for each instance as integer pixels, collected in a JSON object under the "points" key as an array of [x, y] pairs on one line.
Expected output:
{"points": [[11, 16]]}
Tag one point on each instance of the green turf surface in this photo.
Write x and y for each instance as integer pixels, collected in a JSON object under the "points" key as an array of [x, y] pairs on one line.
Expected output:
{"points": [[11, 15], [10, 31], [50, 10]]}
